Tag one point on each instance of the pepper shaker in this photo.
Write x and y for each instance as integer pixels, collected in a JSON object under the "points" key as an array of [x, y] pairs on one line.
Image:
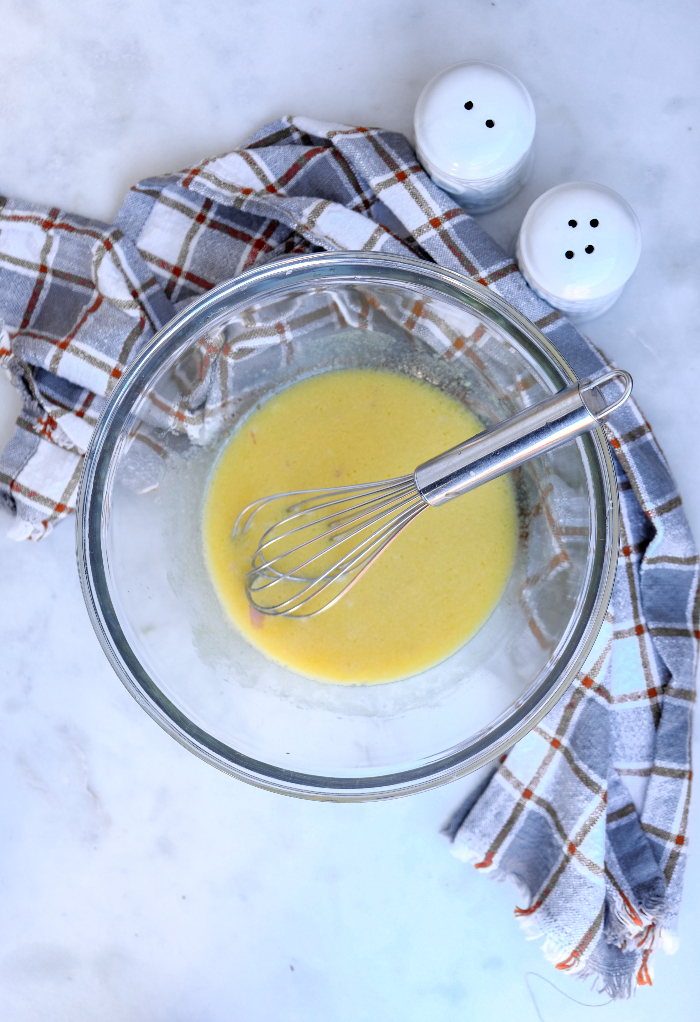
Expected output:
{"points": [[578, 245], [474, 125]]}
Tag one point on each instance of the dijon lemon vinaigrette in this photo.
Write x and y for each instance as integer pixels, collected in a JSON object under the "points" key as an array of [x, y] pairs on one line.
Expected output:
{"points": [[433, 587]]}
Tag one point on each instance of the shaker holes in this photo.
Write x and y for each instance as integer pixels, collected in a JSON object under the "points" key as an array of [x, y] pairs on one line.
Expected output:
{"points": [[589, 249], [469, 106], [569, 254], [572, 223], [594, 222]]}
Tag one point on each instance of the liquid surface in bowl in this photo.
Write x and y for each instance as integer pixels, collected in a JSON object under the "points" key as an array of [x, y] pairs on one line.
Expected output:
{"points": [[430, 591]]}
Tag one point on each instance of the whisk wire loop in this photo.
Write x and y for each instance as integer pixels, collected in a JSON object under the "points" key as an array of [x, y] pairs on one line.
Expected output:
{"points": [[371, 523], [264, 567], [374, 512], [245, 517], [353, 566]]}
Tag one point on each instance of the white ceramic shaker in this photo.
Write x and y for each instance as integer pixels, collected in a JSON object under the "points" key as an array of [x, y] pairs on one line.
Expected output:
{"points": [[474, 125], [577, 247]]}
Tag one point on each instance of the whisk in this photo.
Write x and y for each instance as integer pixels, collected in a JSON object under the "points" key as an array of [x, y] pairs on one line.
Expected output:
{"points": [[313, 550]]}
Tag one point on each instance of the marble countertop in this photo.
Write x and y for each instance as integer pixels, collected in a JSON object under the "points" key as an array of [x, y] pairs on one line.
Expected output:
{"points": [[137, 882]]}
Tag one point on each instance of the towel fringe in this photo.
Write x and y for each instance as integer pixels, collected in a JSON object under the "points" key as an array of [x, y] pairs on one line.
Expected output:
{"points": [[554, 951], [21, 529], [483, 861], [633, 929], [626, 923]]}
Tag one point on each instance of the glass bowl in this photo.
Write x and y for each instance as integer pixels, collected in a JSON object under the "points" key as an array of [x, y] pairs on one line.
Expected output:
{"points": [[140, 547]]}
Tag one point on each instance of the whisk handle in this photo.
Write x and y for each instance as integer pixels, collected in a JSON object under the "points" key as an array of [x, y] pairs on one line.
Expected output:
{"points": [[534, 431]]}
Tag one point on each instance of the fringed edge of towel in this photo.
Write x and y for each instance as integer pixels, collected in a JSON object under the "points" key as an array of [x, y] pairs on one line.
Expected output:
{"points": [[622, 917]]}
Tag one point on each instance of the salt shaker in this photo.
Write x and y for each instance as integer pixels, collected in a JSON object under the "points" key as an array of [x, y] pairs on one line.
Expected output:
{"points": [[578, 245], [474, 125]]}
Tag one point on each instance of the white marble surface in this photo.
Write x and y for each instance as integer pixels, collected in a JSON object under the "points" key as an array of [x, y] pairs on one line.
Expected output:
{"points": [[138, 883]]}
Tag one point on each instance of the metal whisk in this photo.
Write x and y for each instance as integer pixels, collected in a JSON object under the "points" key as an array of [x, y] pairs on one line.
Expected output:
{"points": [[312, 550]]}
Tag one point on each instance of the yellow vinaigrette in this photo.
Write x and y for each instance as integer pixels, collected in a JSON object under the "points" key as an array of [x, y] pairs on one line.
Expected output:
{"points": [[433, 587]]}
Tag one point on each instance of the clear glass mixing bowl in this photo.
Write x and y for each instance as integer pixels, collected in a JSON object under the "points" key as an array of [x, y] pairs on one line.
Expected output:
{"points": [[140, 547]]}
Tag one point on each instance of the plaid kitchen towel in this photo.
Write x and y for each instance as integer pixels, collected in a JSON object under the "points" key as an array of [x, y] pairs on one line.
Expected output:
{"points": [[588, 813]]}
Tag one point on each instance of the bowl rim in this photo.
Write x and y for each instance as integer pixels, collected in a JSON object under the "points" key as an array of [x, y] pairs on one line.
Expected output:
{"points": [[92, 516]]}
